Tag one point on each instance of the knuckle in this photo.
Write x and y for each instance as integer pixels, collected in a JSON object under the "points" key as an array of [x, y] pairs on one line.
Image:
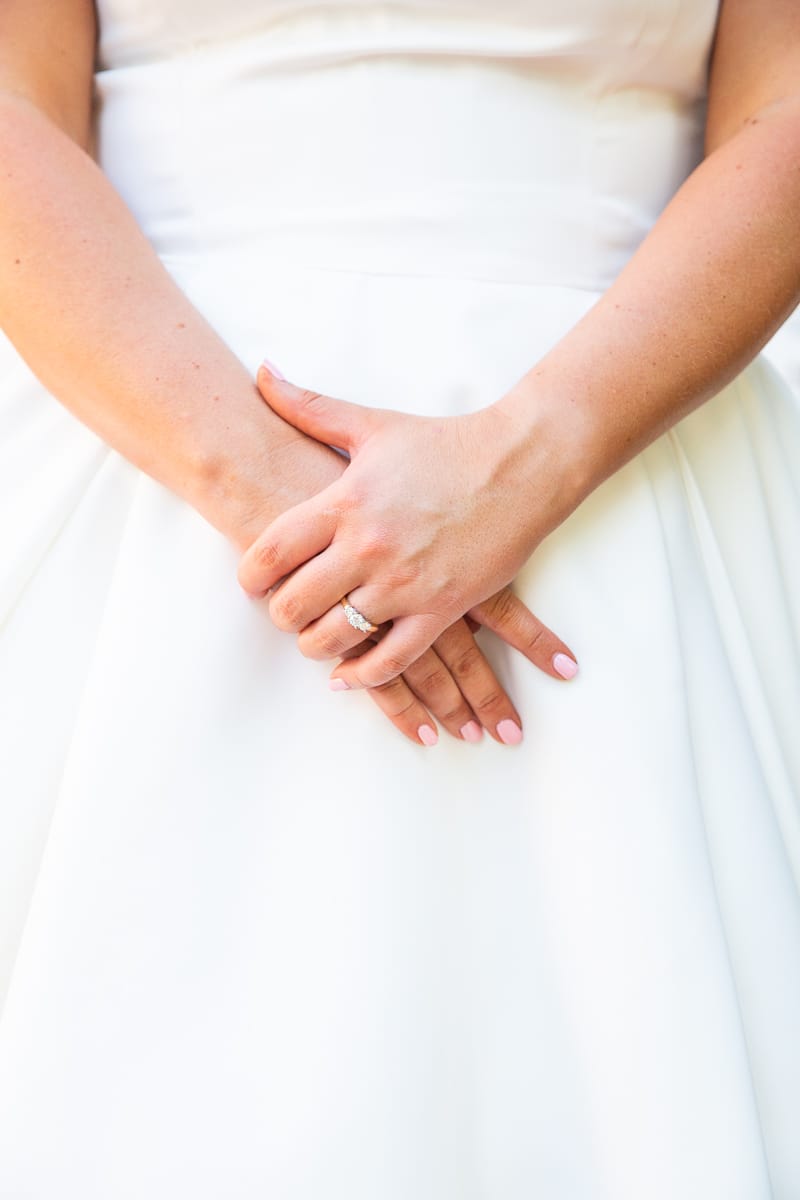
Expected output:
{"points": [[534, 640], [285, 612], [374, 543], [410, 705], [329, 645], [391, 665], [491, 701], [503, 605], [267, 555], [406, 573], [396, 701], [468, 662], [435, 680], [312, 401], [394, 687], [358, 680], [455, 714]]}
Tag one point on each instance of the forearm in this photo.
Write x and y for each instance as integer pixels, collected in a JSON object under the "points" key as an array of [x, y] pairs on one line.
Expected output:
{"points": [[716, 276], [87, 303]]}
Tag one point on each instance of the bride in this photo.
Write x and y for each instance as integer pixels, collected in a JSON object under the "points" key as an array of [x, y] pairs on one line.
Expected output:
{"points": [[514, 264]]}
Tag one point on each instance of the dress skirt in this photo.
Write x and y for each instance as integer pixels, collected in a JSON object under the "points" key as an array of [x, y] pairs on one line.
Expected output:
{"points": [[253, 942]]}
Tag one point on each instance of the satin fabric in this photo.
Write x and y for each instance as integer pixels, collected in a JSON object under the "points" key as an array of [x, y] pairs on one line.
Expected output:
{"points": [[252, 941], [783, 350]]}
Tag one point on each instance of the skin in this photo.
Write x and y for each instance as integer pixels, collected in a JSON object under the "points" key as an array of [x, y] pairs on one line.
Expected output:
{"points": [[416, 529], [87, 303]]}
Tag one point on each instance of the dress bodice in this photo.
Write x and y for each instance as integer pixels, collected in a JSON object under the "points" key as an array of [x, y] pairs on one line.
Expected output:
{"points": [[660, 43], [520, 140]]}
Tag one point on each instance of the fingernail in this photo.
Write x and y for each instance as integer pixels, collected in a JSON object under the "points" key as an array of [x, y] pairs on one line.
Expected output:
{"points": [[471, 732], [273, 370], [566, 666], [509, 732], [338, 685], [428, 736]]}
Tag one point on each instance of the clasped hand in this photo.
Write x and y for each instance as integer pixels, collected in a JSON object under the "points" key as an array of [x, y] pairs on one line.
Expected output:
{"points": [[430, 520]]}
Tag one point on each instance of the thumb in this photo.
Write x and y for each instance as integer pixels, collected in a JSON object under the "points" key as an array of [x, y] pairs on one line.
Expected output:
{"points": [[335, 422]]}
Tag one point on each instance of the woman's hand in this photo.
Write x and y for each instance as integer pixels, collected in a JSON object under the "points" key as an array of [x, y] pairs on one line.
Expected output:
{"points": [[452, 682], [430, 513], [455, 680], [431, 517]]}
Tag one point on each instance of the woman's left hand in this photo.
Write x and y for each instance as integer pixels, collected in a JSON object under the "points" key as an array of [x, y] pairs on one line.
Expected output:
{"points": [[431, 517]]}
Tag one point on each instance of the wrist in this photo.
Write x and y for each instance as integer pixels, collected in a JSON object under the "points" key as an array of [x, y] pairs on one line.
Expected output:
{"points": [[261, 468], [548, 441]]}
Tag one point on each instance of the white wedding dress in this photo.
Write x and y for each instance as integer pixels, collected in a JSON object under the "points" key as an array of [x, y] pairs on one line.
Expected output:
{"points": [[253, 942], [784, 350]]}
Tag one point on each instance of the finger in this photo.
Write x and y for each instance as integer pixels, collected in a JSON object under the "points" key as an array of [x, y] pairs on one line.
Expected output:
{"points": [[313, 590], [288, 542], [479, 685], [433, 683], [336, 422], [405, 642], [406, 712], [331, 636], [506, 615], [400, 705]]}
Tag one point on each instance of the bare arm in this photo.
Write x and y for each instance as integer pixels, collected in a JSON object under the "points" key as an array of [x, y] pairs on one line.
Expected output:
{"points": [[713, 280], [86, 301]]}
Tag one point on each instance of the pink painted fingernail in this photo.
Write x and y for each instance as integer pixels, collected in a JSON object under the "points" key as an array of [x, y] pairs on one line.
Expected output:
{"points": [[471, 732], [338, 685], [428, 736], [273, 370], [509, 732], [566, 666]]}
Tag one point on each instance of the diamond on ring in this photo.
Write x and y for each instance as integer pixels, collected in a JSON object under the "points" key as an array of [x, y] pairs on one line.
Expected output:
{"points": [[357, 619]]}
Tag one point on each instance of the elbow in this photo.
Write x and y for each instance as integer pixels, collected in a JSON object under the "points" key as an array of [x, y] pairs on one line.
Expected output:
{"points": [[721, 127], [16, 108]]}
